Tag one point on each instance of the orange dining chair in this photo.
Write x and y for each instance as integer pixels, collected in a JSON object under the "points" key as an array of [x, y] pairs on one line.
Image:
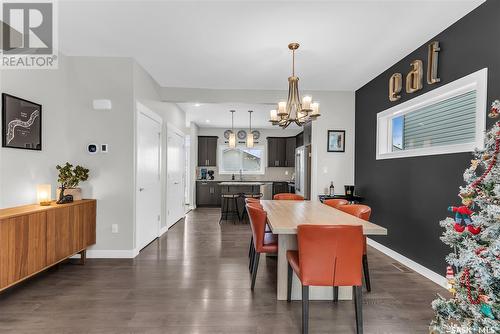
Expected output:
{"points": [[328, 255], [262, 242], [288, 197], [363, 212], [335, 202]]}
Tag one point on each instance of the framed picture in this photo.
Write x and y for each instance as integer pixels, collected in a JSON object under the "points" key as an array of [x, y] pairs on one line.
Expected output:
{"points": [[21, 123], [336, 141]]}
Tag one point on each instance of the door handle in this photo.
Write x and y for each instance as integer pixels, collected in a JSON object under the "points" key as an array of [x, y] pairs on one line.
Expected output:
{"points": [[141, 189]]}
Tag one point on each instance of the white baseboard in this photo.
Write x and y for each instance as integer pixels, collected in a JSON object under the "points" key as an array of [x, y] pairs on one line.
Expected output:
{"points": [[427, 273]]}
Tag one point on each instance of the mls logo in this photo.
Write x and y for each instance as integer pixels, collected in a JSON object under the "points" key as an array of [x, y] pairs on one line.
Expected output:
{"points": [[27, 35]]}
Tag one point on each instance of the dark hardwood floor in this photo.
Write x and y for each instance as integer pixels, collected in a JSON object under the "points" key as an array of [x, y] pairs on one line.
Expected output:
{"points": [[195, 279]]}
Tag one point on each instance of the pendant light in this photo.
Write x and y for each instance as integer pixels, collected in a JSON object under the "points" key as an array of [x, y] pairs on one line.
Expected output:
{"points": [[250, 134], [294, 110], [232, 136]]}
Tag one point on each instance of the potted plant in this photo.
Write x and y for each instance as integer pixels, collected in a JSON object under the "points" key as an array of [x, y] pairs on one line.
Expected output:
{"points": [[69, 178]]}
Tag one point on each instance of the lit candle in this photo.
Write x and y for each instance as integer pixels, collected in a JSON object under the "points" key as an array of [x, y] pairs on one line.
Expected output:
{"points": [[315, 109], [282, 109], [306, 102], [274, 115], [43, 192]]}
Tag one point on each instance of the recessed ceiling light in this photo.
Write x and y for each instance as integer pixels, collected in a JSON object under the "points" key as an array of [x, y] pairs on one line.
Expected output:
{"points": [[197, 104], [208, 121]]}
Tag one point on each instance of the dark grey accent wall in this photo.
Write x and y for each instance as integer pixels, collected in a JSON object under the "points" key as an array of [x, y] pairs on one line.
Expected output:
{"points": [[409, 196]]}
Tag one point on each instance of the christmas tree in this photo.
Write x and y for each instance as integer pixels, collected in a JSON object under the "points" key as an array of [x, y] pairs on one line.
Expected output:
{"points": [[474, 237]]}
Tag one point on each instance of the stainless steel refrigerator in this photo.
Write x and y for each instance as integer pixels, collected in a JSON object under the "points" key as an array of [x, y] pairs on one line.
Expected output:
{"points": [[303, 171]]}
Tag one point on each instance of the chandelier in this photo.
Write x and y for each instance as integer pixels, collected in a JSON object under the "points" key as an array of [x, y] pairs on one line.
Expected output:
{"points": [[293, 110]]}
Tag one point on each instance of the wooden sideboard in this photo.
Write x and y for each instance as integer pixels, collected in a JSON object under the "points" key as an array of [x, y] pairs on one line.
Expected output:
{"points": [[34, 237]]}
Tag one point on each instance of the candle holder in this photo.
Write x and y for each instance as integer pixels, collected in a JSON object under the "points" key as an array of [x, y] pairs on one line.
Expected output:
{"points": [[43, 194]]}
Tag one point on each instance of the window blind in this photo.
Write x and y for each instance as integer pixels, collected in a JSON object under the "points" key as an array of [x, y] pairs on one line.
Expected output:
{"points": [[446, 122]]}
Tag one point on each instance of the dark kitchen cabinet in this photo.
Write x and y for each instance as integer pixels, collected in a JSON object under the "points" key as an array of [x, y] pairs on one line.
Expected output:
{"points": [[276, 153], [290, 152], [281, 151], [208, 194], [299, 139], [207, 151], [280, 187]]}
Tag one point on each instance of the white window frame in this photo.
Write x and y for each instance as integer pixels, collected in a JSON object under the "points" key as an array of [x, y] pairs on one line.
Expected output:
{"points": [[263, 165], [477, 81]]}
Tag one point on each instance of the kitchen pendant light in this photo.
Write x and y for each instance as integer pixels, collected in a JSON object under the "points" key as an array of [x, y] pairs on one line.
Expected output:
{"points": [[293, 110], [232, 136], [250, 134]]}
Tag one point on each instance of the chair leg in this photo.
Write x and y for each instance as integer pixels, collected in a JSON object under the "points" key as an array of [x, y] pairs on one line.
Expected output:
{"points": [[358, 307], [335, 294], [255, 267], [305, 309], [252, 260], [235, 201], [367, 273], [223, 213], [251, 246], [289, 283]]}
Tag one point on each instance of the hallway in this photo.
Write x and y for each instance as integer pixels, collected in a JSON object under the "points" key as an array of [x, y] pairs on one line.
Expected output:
{"points": [[195, 279]]}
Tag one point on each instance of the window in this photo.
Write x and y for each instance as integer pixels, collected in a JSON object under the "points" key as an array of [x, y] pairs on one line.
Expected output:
{"points": [[248, 160], [448, 119]]}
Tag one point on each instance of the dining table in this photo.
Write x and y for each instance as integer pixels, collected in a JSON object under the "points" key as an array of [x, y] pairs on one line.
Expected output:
{"points": [[283, 217]]}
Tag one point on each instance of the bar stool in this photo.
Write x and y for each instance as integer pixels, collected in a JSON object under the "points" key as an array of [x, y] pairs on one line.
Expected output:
{"points": [[335, 202], [263, 242], [226, 198], [363, 212], [328, 255], [288, 197]]}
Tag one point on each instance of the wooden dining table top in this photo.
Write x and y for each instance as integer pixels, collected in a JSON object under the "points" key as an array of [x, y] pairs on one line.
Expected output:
{"points": [[284, 217]]}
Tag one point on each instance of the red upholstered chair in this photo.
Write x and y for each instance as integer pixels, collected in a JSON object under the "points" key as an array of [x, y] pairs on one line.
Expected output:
{"points": [[335, 202], [328, 255], [363, 212], [288, 197], [262, 242]]}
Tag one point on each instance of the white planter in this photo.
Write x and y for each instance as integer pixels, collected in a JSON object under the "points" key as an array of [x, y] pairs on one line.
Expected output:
{"points": [[76, 192]]}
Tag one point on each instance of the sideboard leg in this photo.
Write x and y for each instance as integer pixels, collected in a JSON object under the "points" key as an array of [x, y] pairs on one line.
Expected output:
{"points": [[83, 256]]}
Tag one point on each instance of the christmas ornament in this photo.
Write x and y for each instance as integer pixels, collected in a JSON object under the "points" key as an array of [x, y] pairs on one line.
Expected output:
{"points": [[495, 110], [450, 276], [462, 217], [486, 307]]}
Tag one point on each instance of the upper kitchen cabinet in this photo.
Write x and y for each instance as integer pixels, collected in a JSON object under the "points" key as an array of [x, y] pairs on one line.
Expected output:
{"points": [[291, 145], [207, 151], [281, 151]]}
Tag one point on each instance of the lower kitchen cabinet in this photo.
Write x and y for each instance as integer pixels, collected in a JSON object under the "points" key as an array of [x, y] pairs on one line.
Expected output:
{"points": [[208, 194]]}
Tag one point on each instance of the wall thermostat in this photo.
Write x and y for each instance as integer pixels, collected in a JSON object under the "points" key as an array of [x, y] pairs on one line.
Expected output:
{"points": [[92, 148]]}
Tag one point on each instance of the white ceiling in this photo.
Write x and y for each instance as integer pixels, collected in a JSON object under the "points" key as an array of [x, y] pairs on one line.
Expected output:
{"points": [[243, 44], [218, 115]]}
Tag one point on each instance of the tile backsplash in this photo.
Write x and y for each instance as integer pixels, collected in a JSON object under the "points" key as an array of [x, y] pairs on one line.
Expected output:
{"points": [[271, 174]]}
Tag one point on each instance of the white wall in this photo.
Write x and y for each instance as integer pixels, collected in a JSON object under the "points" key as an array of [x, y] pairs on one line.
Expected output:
{"points": [[111, 179], [22, 170], [337, 113], [193, 137]]}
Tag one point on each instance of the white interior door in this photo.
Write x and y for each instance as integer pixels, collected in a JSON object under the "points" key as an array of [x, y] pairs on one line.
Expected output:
{"points": [[148, 193], [176, 158]]}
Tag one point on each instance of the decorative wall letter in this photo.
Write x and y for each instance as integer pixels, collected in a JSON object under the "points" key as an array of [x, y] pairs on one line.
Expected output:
{"points": [[414, 77], [432, 63], [395, 86]]}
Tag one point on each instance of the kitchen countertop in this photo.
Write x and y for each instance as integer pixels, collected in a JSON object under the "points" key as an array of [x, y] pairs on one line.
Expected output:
{"points": [[245, 181]]}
